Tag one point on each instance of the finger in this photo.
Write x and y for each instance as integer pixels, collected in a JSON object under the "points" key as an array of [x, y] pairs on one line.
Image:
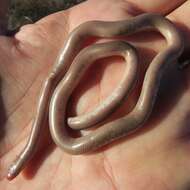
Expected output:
{"points": [[181, 16], [157, 6], [118, 9]]}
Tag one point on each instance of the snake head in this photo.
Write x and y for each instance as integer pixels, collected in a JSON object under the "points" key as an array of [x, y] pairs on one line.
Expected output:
{"points": [[14, 169], [12, 172]]}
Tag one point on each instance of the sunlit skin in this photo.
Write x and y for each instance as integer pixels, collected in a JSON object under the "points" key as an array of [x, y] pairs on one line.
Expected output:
{"points": [[155, 158]]}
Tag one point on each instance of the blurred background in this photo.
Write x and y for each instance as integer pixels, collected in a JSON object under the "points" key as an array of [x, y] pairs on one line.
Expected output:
{"points": [[28, 11]]}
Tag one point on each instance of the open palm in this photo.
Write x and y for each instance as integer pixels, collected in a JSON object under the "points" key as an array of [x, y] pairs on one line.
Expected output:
{"points": [[155, 158]]}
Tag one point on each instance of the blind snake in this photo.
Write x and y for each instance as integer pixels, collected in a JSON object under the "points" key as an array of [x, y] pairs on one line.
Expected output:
{"points": [[65, 76]]}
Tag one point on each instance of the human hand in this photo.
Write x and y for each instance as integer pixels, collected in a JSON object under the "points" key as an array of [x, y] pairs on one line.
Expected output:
{"points": [[156, 157]]}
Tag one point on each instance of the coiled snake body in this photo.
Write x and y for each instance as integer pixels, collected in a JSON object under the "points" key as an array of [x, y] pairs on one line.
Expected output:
{"points": [[65, 77]]}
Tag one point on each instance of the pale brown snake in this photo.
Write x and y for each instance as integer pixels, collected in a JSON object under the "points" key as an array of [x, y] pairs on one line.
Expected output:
{"points": [[62, 80]]}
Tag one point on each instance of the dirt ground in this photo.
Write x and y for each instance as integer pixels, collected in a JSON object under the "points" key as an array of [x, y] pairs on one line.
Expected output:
{"points": [[26, 11]]}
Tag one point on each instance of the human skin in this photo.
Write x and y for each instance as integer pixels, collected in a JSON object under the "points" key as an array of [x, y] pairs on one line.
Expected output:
{"points": [[157, 157]]}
